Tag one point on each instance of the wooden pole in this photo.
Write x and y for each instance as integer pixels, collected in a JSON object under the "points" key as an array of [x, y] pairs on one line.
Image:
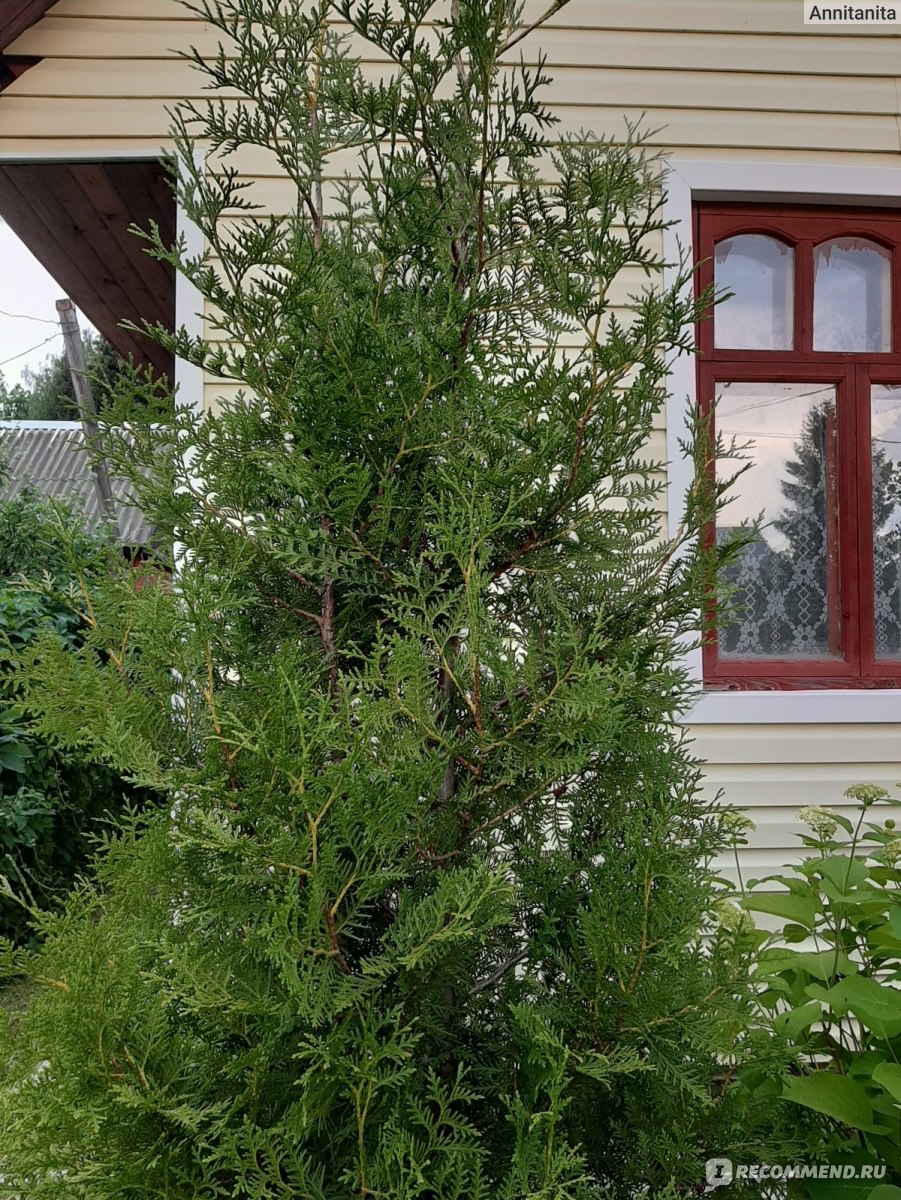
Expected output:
{"points": [[87, 410]]}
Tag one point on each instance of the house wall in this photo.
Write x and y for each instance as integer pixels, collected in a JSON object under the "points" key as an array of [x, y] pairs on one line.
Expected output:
{"points": [[725, 81]]}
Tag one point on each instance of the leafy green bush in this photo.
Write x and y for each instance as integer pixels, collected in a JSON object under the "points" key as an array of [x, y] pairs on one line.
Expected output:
{"points": [[51, 800], [830, 980]]}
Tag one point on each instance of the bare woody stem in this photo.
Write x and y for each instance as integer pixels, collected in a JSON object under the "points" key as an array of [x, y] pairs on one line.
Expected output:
{"points": [[335, 946], [327, 617], [313, 106], [446, 692], [524, 33]]}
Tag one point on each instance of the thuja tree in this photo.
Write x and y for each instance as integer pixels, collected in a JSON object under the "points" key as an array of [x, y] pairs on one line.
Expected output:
{"points": [[427, 909]]}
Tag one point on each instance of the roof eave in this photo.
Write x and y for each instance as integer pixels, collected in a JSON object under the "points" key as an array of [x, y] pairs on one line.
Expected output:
{"points": [[16, 17]]}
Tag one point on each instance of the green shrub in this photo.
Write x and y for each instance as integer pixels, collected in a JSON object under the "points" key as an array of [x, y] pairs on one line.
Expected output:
{"points": [[51, 800], [830, 981]]}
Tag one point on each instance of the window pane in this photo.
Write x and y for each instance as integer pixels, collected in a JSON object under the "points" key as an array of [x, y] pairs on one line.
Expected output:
{"points": [[787, 585], [852, 296], [760, 272], [886, 432]]}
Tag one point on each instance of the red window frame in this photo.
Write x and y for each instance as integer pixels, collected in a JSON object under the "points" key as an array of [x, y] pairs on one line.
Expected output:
{"points": [[853, 374]]}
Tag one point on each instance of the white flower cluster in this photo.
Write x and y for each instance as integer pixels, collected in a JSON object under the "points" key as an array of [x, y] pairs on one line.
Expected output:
{"points": [[821, 820]]}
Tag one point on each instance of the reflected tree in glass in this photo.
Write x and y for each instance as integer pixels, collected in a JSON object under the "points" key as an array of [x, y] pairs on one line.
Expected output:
{"points": [[786, 586], [886, 466]]}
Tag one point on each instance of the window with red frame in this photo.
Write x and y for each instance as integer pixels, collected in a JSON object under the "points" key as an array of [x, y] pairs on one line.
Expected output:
{"points": [[802, 364]]}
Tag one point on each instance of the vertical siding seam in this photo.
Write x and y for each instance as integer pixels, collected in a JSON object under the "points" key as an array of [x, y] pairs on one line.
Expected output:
{"points": [[898, 110]]}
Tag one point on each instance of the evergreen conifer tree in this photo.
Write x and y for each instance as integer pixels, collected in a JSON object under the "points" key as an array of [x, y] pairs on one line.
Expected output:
{"points": [[427, 908], [47, 393]]}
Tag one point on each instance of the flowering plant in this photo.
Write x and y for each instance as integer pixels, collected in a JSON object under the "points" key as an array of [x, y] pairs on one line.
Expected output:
{"points": [[830, 978]]}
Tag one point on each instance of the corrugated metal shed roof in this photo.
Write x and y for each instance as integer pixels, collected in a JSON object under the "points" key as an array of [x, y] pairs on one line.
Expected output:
{"points": [[53, 459]]}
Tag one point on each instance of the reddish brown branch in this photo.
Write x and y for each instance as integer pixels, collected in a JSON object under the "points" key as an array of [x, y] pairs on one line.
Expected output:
{"points": [[336, 953], [477, 695], [298, 612], [532, 541], [529, 543], [524, 33], [580, 447], [446, 692], [327, 619], [492, 822], [433, 859], [302, 580], [643, 948], [327, 626], [522, 693]]}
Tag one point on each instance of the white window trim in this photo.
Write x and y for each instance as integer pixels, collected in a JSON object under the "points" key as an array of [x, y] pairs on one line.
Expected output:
{"points": [[688, 181], [189, 379]]}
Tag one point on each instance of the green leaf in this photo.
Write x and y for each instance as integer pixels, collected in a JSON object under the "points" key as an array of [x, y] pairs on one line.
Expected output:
{"points": [[885, 1191], [839, 1189], [884, 1105], [795, 933], [843, 871], [791, 1023], [14, 754], [799, 909], [835, 1096], [885, 939], [861, 1066], [821, 964], [858, 897], [888, 1075], [873, 1003], [833, 1001]]}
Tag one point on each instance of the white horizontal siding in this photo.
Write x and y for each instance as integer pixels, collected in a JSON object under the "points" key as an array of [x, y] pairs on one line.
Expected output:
{"points": [[772, 771], [620, 88], [773, 18]]}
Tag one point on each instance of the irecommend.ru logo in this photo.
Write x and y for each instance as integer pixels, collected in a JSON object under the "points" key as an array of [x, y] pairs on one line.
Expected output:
{"points": [[721, 1172]]}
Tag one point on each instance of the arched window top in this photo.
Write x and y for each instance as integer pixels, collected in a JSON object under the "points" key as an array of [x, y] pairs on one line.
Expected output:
{"points": [[759, 272], [852, 298]]}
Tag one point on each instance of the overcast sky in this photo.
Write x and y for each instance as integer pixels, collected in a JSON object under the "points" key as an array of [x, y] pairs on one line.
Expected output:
{"points": [[26, 290]]}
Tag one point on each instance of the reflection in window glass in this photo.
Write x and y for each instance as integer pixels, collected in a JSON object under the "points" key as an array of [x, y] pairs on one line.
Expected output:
{"points": [[852, 299], [787, 585], [886, 451], [760, 314]]}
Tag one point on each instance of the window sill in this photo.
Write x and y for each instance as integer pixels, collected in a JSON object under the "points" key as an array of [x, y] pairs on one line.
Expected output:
{"points": [[726, 683], [826, 706]]}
